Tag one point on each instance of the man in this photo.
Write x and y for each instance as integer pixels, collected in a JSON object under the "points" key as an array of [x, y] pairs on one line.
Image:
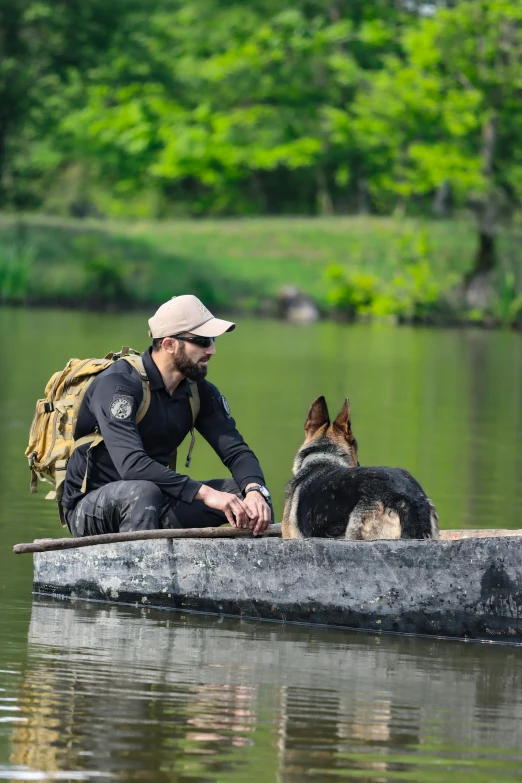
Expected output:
{"points": [[129, 484]]}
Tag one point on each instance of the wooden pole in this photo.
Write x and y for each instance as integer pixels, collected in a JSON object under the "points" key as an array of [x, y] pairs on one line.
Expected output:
{"points": [[53, 544]]}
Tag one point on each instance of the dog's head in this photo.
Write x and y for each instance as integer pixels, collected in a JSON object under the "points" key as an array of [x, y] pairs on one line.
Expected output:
{"points": [[324, 436]]}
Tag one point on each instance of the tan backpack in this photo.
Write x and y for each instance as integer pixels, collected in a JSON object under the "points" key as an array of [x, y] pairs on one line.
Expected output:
{"points": [[51, 438]]}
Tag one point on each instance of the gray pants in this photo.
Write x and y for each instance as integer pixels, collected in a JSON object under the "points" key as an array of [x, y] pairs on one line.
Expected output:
{"points": [[140, 505]]}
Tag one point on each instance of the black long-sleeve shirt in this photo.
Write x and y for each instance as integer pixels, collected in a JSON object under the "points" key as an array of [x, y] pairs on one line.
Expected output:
{"points": [[131, 451]]}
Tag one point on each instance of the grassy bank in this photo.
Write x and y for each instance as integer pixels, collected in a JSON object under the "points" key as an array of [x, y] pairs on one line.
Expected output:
{"points": [[355, 266]]}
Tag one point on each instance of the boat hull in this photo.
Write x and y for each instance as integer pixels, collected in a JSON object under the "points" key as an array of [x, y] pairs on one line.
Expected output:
{"points": [[470, 588]]}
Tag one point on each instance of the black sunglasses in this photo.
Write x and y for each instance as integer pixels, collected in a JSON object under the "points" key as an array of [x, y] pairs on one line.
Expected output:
{"points": [[203, 342]]}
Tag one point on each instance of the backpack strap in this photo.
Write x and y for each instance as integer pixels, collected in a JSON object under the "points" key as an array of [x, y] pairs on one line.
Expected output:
{"points": [[94, 438], [136, 361], [195, 407]]}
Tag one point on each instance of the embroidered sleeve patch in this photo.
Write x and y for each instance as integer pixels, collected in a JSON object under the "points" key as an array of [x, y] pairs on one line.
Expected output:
{"points": [[226, 406], [121, 407]]}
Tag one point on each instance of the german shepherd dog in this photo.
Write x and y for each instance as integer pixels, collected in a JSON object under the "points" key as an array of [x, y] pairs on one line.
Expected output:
{"points": [[331, 496]]}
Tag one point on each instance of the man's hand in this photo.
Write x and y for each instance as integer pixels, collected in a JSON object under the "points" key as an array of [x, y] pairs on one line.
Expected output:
{"points": [[238, 513], [260, 509]]}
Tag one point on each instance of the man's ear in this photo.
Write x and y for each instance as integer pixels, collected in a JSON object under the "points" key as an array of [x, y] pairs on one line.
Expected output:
{"points": [[317, 417], [343, 422], [168, 344]]}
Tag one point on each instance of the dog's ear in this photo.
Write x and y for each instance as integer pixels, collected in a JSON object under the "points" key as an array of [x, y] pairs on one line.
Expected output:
{"points": [[317, 416], [344, 422]]}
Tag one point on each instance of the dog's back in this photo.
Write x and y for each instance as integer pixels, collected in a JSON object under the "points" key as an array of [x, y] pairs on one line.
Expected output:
{"points": [[360, 503], [332, 496]]}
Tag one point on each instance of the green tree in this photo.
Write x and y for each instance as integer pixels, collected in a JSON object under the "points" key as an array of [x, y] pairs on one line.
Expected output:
{"points": [[44, 45], [238, 98], [450, 110]]}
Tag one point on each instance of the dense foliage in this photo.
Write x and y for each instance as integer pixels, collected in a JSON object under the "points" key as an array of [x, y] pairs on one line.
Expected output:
{"points": [[156, 108]]}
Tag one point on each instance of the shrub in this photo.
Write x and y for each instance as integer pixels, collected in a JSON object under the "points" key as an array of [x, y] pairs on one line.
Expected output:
{"points": [[353, 294], [415, 290]]}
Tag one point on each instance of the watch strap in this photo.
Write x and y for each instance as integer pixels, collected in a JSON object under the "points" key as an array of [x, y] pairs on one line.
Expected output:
{"points": [[258, 488]]}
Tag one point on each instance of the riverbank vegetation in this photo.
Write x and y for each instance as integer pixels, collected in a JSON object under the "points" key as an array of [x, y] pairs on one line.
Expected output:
{"points": [[175, 109], [359, 267]]}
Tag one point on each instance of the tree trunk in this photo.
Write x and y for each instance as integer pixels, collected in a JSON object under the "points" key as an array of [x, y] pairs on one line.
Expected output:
{"points": [[324, 199], [400, 208], [441, 206], [485, 257], [363, 199]]}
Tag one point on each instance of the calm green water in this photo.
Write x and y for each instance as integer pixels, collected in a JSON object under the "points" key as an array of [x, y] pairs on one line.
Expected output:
{"points": [[91, 691]]}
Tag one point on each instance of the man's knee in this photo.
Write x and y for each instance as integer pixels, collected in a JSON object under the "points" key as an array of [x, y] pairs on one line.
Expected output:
{"points": [[117, 506], [144, 491], [143, 506]]}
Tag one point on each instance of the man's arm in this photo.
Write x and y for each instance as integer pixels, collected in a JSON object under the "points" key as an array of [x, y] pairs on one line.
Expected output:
{"points": [[216, 424], [114, 405]]}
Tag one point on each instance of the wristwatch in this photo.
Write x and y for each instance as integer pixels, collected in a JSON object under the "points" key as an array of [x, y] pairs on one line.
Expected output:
{"points": [[258, 488]]}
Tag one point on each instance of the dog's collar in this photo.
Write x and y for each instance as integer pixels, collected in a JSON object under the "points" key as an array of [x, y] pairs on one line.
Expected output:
{"points": [[318, 457]]}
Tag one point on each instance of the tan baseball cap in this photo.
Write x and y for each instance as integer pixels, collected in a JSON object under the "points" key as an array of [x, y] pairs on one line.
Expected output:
{"points": [[186, 314]]}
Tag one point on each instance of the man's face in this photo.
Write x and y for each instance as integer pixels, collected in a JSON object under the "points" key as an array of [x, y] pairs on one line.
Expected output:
{"points": [[192, 360]]}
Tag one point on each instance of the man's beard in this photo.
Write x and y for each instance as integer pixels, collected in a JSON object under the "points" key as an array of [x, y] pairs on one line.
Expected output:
{"points": [[191, 370]]}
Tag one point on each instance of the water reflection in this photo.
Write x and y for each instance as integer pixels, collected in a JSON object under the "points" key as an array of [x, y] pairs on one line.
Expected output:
{"points": [[157, 696]]}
